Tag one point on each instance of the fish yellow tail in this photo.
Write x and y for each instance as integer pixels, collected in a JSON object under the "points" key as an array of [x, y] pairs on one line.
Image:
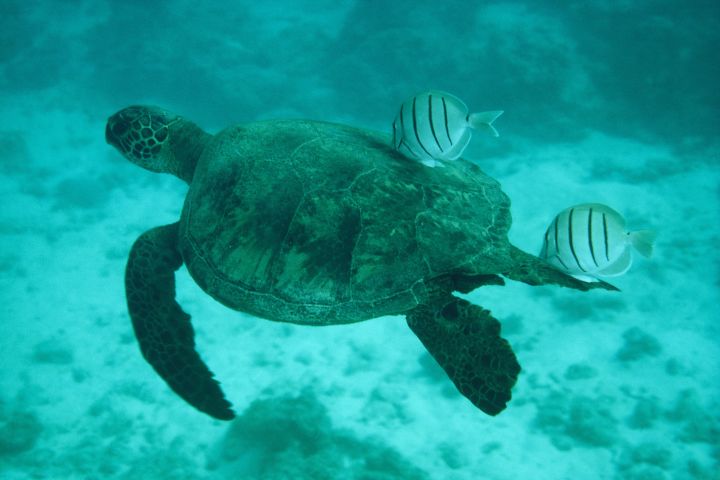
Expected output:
{"points": [[483, 121], [643, 241]]}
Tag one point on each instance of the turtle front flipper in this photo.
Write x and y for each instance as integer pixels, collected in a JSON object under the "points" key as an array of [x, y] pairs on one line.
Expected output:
{"points": [[465, 340], [162, 328]]}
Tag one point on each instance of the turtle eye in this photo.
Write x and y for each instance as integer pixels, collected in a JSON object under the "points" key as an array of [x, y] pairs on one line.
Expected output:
{"points": [[116, 133], [119, 128]]}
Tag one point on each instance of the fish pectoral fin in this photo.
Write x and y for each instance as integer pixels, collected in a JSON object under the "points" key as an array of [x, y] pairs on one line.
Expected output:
{"points": [[619, 266], [482, 121]]}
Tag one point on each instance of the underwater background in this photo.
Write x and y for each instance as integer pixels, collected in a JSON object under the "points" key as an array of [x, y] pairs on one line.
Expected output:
{"points": [[609, 102]]}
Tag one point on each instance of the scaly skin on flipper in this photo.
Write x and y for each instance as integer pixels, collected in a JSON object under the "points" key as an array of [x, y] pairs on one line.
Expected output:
{"points": [[163, 329], [465, 340]]}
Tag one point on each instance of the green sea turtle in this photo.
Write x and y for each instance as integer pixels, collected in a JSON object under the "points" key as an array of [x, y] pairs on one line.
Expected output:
{"points": [[320, 224]]}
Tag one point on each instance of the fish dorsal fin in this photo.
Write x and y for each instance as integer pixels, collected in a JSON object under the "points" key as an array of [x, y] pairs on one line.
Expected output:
{"points": [[619, 266], [482, 121]]}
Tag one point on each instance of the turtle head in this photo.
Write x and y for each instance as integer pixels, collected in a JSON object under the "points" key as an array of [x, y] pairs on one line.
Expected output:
{"points": [[156, 140]]}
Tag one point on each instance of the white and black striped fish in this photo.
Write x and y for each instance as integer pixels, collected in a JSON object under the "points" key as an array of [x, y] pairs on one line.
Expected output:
{"points": [[435, 126], [589, 241]]}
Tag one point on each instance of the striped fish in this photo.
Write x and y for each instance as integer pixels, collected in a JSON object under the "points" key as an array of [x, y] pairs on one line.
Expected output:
{"points": [[589, 241], [435, 125]]}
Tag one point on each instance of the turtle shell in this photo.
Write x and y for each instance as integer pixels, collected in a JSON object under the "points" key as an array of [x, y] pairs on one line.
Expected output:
{"points": [[317, 223]]}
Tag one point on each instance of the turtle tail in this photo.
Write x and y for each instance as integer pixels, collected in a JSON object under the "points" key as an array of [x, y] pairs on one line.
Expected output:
{"points": [[162, 328]]}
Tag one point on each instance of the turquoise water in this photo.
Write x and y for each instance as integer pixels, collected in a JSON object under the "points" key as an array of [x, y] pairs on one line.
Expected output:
{"points": [[613, 104]]}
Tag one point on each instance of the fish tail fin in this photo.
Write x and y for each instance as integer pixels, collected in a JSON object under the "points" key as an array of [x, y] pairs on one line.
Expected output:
{"points": [[643, 241], [483, 121]]}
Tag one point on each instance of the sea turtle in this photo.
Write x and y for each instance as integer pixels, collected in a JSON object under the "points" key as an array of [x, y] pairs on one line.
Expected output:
{"points": [[317, 223]]}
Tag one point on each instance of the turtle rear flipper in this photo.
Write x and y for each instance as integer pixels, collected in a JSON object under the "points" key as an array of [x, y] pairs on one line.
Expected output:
{"points": [[162, 328], [465, 340], [532, 270]]}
